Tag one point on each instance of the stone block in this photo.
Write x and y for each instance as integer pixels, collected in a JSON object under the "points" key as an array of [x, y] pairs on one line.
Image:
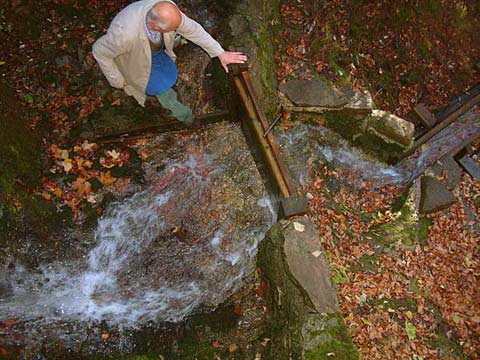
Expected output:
{"points": [[317, 96], [452, 170], [391, 128], [434, 196], [305, 322]]}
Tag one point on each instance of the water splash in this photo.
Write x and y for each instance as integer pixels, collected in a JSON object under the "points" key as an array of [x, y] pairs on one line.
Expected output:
{"points": [[307, 143], [159, 254]]}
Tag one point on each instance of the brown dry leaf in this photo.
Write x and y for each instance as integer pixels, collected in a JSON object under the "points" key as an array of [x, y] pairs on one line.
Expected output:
{"points": [[105, 336], [122, 184], [82, 186], [144, 154], [46, 196], [216, 344], [232, 348], [58, 192], [106, 178], [107, 162]]}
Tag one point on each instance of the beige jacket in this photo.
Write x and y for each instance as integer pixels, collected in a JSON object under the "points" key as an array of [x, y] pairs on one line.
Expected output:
{"points": [[124, 54]]}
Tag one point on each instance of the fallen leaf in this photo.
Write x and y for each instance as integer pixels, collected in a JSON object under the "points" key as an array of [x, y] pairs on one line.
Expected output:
{"points": [[411, 330], [317, 253], [67, 165], [216, 344], [8, 323], [232, 347], [105, 336], [299, 227], [145, 154], [58, 192], [113, 153], [106, 178], [238, 310]]}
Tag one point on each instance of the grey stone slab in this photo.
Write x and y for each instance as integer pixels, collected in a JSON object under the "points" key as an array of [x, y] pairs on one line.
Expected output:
{"points": [[315, 93], [452, 170], [471, 166], [307, 263], [434, 196]]}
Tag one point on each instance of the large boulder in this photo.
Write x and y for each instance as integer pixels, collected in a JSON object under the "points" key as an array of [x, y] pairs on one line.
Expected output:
{"points": [[305, 321]]}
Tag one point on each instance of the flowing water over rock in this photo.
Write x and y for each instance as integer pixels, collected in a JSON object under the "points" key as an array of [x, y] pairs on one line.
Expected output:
{"points": [[309, 144], [182, 244]]}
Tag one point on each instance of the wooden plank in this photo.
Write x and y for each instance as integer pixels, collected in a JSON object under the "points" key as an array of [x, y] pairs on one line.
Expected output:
{"points": [[444, 123], [258, 135], [167, 126], [454, 105], [270, 138], [427, 118], [470, 166]]}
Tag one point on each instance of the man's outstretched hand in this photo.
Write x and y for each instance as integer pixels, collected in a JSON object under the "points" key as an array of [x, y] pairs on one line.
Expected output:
{"points": [[230, 57]]}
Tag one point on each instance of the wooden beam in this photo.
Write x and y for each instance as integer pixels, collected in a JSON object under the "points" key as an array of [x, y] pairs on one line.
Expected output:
{"points": [[470, 166], [444, 123], [427, 118], [168, 125], [454, 105]]}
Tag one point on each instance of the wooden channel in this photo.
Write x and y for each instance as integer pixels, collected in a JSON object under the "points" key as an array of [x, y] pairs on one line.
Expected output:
{"points": [[254, 126]]}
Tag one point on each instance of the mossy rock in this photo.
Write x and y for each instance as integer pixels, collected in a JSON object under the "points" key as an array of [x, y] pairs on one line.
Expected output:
{"points": [[407, 229], [298, 330]]}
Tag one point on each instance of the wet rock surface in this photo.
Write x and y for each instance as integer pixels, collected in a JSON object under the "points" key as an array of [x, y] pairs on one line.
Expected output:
{"points": [[317, 93], [391, 128], [185, 242]]}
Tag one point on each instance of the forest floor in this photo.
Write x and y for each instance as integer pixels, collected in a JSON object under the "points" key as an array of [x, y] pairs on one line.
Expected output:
{"points": [[417, 300]]}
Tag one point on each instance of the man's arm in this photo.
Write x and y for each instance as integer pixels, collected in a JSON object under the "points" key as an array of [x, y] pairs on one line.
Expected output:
{"points": [[194, 32], [106, 49]]}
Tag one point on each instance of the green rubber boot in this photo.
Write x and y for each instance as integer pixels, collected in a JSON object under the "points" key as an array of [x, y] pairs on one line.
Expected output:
{"points": [[179, 111]]}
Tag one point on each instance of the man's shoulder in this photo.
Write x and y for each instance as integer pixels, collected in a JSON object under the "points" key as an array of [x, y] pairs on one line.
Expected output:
{"points": [[134, 11]]}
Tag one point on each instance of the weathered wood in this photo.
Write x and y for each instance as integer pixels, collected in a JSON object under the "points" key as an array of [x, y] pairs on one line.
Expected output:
{"points": [[444, 123], [470, 166], [168, 125], [255, 124], [293, 206], [454, 105], [427, 118], [270, 138], [258, 134]]}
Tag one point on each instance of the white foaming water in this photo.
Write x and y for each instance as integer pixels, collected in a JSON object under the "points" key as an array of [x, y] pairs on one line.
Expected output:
{"points": [[138, 271], [308, 142]]}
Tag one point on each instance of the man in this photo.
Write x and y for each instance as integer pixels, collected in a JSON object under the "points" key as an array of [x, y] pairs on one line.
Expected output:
{"points": [[136, 54]]}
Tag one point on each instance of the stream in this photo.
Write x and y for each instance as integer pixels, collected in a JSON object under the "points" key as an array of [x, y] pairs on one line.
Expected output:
{"points": [[183, 244]]}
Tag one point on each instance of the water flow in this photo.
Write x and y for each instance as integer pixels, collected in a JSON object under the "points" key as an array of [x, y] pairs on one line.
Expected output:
{"points": [[185, 241], [307, 143]]}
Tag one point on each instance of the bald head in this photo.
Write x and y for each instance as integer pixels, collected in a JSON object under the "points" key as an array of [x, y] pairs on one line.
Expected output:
{"points": [[164, 17]]}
